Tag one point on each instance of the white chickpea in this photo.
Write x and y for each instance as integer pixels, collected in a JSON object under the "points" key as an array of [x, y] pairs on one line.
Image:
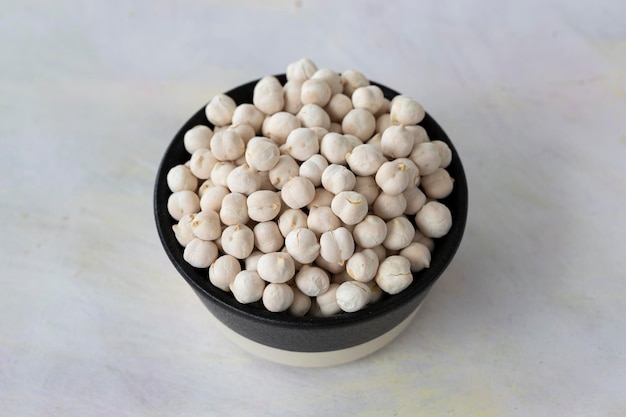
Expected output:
{"points": [[302, 70], [206, 225], [353, 79], [434, 219], [362, 265], [262, 153], [330, 77], [312, 115], [406, 111], [335, 128], [285, 169], [400, 233], [247, 113], [445, 153], [227, 145], [302, 143], [302, 245], [280, 125], [438, 185], [315, 91], [365, 159], [277, 297], [183, 231], [238, 241], [251, 261], [322, 198], [198, 137], [212, 198], [200, 253], [312, 168], [263, 205], [394, 274], [267, 95], [181, 203], [301, 303], [370, 232], [424, 240], [414, 172], [415, 200], [353, 296], [245, 132], [331, 267], [338, 106], [384, 108], [369, 98], [337, 178], [276, 267], [334, 147], [418, 255], [291, 95], [312, 281], [223, 270], [201, 163], [367, 187], [393, 177], [180, 178], [383, 122], [219, 111], [297, 192], [247, 287], [337, 245], [206, 184], [397, 141], [234, 210], [290, 220], [381, 252], [244, 180], [387, 206], [267, 237], [360, 123], [349, 206], [426, 157], [322, 219], [220, 172], [326, 303]]}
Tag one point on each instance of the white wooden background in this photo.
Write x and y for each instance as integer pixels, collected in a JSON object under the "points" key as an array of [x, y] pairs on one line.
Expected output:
{"points": [[527, 321]]}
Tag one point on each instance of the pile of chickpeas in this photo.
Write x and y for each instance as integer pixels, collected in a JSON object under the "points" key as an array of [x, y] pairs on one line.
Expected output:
{"points": [[301, 199]]}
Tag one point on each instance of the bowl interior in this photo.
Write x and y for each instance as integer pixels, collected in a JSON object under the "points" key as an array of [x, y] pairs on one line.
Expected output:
{"points": [[444, 250]]}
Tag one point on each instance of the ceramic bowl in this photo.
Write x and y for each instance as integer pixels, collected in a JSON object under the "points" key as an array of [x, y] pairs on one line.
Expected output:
{"points": [[310, 341]]}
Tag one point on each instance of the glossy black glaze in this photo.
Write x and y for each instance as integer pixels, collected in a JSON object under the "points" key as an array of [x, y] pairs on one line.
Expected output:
{"points": [[309, 334]]}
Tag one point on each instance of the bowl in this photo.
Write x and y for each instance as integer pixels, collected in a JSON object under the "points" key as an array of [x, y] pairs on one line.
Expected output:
{"points": [[310, 341]]}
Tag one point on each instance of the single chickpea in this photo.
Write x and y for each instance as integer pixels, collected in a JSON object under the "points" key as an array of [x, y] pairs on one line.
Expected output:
{"points": [[337, 245], [353, 79], [247, 287], [276, 267], [370, 232], [298, 192], [360, 123], [285, 169], [419, 133], [322, 219], [200, 253], [330, 77], [418, 255], [424, 240], [244, 180], [301, 303], [394, 274], [445, 153], [290, 220], [277, 297], [438, 185], [280, 125], [234, 210], [337, 178], [220, 172], [183, 231], [322, 198], [414, 172], [400, 233], [338, 107], [251, 261], [201, 163], [198, 137], [238, 241], [301, 70], [267, 95], [206, 184], [313, 167], [369, 98], [364, 160], [426, 157], [406, 111], [415, 200], [312, 281], [388, 206], [327, 302], [223, 270], [302, 245], [181, 203], [227, 145], [383, 122], [353, 296], [397, 141], [362, 265], [349, 206], [219, 111], [291, 95], [312, 115], [334, 147], [247, 113], [180, 178], [206, 225], [335, 128], [263, 205], [245, 132], [434, 219], [315, 91], [393, 177], [302, 143], [384, 108], [212, 198], [367, 187], [262, 153], [267, 237]]}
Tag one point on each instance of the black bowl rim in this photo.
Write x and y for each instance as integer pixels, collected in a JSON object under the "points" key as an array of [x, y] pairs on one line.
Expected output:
{"points": [[445, 247]]}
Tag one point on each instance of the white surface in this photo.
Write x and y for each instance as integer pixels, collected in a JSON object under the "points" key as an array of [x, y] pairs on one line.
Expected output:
{"points": [[527, 321]]}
